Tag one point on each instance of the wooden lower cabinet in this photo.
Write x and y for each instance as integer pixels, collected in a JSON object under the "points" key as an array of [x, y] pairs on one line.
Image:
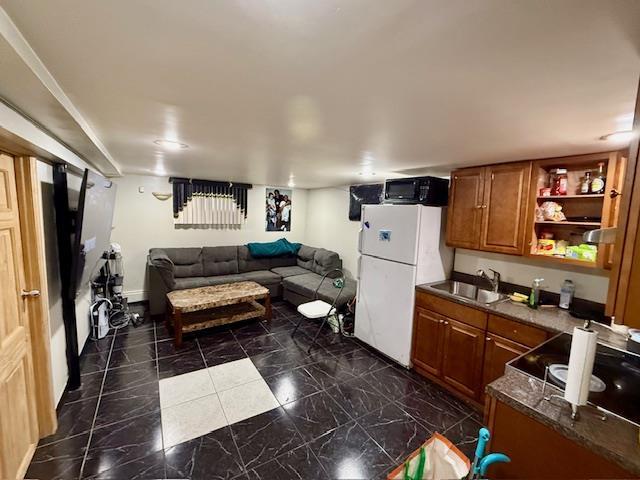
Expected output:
{"points": [[498, 352], [537, 451], [462, 352], [464, 349], [427, 341]]}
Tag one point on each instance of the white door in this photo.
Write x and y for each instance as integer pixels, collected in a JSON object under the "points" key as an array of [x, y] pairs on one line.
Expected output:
{"points": [[384, 311], [390, 232]]}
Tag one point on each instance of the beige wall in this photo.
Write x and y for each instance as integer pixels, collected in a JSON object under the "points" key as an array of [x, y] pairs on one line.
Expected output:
{"points": [[141, 221], [522, 271], [328, 225]]}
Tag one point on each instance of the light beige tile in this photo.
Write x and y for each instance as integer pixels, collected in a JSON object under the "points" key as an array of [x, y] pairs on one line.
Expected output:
{"points": [[248, 400], [182, 388], [192, 419], [232, 374]]}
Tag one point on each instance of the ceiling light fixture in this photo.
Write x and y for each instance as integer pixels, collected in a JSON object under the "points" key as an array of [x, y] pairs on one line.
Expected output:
{"points": [[620, 136], [367, 173], [170, 144], [291, 183]]}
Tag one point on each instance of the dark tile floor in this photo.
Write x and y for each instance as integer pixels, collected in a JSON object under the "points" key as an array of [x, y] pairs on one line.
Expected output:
{"points": [[344, 411]]}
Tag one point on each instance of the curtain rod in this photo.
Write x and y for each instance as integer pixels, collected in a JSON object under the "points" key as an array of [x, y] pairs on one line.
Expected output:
{"points": [[213, 183]]}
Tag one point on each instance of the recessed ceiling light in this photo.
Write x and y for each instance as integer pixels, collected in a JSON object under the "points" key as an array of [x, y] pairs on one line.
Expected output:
{"points": [[170, 144], [367, 174], [621, 136]]}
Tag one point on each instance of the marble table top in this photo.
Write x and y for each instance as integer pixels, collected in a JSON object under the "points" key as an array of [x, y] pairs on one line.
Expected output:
{"points": [[203, 298]]}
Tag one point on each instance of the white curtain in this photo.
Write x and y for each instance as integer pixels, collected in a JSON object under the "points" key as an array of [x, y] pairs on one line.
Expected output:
{"points": [[208, 210]]}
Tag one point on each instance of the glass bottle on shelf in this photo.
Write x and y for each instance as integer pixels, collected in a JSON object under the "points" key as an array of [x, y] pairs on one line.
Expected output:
{"points": [[559, 182], [585, 186], [598, 182]]}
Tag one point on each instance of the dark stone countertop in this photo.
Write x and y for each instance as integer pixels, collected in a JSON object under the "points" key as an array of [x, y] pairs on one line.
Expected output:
{"points": [[552, 319], [614, 439]]}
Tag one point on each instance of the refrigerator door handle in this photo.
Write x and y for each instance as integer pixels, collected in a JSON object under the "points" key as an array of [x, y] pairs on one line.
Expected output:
{"points": [[360, 232]]}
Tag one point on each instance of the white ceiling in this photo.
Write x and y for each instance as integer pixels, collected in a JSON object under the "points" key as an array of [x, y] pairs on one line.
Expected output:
{"points": [[264, 89]]}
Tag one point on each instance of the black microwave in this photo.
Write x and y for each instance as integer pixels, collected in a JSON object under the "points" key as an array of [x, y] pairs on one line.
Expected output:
{"points": [[432, 191]]}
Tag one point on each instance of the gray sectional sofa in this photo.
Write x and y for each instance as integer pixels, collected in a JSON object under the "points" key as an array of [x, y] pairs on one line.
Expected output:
{"points": [[292, 277]]}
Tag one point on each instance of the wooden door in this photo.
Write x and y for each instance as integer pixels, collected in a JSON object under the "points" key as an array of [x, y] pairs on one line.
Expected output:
{"points": [[463, 349], [506, 192], [18, 424], [427, 341], [498, 352], [465, 208]]}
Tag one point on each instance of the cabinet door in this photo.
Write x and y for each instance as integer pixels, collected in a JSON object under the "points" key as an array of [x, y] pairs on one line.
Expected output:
{"points": [[427, 341], [498, 352], [463, 349], [465, 207], [506, 192]]}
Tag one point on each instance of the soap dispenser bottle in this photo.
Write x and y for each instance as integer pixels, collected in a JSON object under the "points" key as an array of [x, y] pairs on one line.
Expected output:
{"points": [[534, 296]]}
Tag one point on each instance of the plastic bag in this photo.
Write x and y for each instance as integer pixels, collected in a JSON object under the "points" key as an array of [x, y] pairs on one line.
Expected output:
{"points": [[436, 459], [552, 211]]}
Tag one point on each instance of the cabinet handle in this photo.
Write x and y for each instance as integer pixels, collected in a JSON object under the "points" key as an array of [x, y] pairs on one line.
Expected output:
{"points": [[614, 193], [478, 206], [484, 206], [446, 323], [488, 339], [441, 321]]}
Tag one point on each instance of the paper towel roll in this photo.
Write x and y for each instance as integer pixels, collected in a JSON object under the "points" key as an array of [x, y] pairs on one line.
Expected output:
{"points": [[581, 358]]}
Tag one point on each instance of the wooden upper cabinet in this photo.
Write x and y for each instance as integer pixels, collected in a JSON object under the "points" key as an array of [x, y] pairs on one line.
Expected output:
{"points": [[504, 210], [488, 208], [465, 208]]}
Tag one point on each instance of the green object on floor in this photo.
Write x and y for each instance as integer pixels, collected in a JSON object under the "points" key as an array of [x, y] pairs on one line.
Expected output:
{"points": [[419, 470]]}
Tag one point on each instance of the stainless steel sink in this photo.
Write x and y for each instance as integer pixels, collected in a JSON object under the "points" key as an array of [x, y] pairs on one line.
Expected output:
{"points": [[469, 292]]}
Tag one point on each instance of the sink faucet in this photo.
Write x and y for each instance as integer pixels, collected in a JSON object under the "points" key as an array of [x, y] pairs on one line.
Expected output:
{"points": [[495, 281]]}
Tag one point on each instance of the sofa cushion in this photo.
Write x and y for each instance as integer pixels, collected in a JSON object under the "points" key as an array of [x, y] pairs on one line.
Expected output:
{"points": [[290, 271], [305, 257], [246, 263], [306, 285], [195, 282], [263, 277], [325, 260], [220, 260], [163, 265], [187, 261]]}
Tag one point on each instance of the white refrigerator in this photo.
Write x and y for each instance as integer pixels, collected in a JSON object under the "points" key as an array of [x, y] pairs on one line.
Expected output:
{"points": [[400, 246]]}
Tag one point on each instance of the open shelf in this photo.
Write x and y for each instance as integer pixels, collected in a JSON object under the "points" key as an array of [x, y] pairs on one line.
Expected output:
{"points": [[571, 197], [566, 261], [569, 224]]}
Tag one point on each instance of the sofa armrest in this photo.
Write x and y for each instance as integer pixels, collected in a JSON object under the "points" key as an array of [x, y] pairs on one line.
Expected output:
{"points": [[160, 261]]}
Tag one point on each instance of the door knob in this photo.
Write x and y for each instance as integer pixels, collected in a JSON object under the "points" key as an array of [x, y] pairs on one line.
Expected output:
{"points": [[30, 293]]}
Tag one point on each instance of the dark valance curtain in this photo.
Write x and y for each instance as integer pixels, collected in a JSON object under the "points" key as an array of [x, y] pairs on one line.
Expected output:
{"points": [[209, 203]]}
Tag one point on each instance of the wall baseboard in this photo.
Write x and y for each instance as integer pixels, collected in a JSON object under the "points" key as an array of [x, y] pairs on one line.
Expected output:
{"points": [[136, 295]]}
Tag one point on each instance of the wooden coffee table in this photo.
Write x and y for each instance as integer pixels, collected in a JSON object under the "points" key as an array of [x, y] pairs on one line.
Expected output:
{"points": [[205, 307]]}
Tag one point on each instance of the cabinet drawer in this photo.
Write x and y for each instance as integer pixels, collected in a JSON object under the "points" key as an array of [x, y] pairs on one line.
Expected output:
{"points": [[516, 331], [462, 313]]}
